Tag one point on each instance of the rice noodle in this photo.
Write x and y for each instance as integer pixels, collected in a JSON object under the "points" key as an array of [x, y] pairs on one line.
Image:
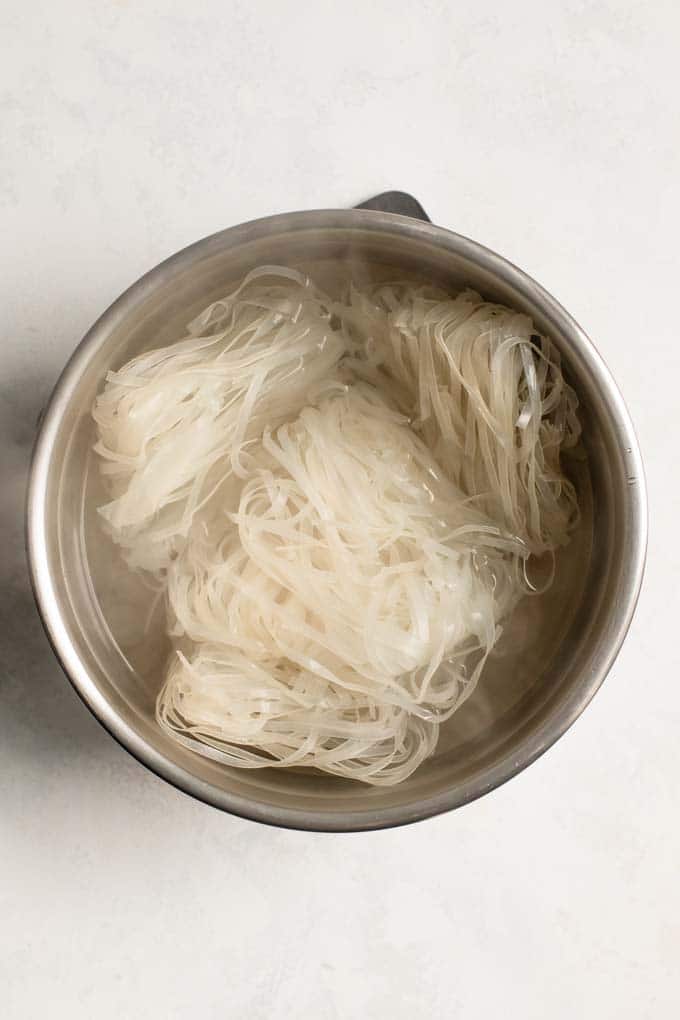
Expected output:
{"points": [[339, 500], [175, 422], [485, 392]]}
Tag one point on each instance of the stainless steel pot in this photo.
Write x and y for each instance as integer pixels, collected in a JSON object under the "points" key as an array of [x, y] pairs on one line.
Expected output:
{"points": [[511, 733]]}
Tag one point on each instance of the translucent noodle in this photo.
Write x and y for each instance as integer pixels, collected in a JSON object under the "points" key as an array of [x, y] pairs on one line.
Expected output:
{"points": [[339, 499], [485, 392]]}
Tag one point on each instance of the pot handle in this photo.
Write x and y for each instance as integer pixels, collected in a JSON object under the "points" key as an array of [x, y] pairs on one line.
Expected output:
{"points": [[396, 202]]}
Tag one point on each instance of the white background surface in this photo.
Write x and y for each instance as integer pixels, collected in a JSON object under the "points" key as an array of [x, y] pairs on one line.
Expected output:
{"points": [[548, 131]]}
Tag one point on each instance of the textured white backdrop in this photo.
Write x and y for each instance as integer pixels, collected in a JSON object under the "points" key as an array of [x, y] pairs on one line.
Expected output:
{"points": [[547, 130]]}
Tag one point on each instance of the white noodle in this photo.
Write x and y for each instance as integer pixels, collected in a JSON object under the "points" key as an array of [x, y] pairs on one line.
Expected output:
{"points": [[485, 392], [339, 500], [174, 422]]}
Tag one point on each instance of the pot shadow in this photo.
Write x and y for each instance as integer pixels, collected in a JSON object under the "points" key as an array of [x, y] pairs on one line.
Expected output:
{"points": [[41, 717]]}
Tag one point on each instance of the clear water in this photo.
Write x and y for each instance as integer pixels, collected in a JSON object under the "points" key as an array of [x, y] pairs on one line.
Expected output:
{"points": [[132, 618]]}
